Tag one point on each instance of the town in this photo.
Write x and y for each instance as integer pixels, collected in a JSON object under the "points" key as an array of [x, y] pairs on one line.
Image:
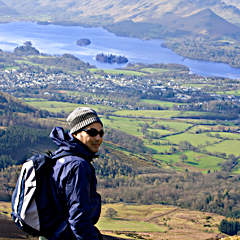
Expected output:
{"points": [[180, 90]]}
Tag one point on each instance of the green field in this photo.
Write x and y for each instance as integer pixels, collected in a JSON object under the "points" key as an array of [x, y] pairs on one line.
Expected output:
{"points": [[131, 125], [194, 139], [116, 72], [33, 64], [175, 125], [159, 113], [134, 125], [228, 135], [154, 70], [235, 92], [54, 106], [160, 148], [161, 103], [148, 113], [148, 221], [160, 131], [154, 220], [227, 146], [195, 162], [127, 125], [126, 217], [126, 225]]}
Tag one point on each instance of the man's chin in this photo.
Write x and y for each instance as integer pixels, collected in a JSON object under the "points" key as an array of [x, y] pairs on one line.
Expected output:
{"points": [[95, 150]]}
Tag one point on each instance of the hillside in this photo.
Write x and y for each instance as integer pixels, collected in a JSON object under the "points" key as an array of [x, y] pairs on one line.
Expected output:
{"points": [[147, 222], [203, 21], [5, 10], [151, 11], [8, 102]]}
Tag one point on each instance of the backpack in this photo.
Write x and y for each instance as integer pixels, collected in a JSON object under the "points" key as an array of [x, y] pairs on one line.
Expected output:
{"points": [[34, 209]]}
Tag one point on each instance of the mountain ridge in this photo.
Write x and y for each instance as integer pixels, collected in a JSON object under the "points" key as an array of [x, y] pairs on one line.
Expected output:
{"points": [[109, 11]]}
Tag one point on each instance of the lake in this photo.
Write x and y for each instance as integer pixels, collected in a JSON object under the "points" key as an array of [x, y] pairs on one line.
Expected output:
{"points": [[54, 39]]}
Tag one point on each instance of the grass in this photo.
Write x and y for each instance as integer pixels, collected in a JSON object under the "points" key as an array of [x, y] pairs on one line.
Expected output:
{"points": [[131, 125], [195, 162], [34, 64], [130, 218], [159, 113], [148, 113], [154, 70], [126, 225], [234, 92], [228, 135], [26, 62], [5, 209], [158, 221], [227, 146], [151, 221], [54, 106], [178, 126], [194, 139], [161, 103], [10, 67], [115, 71], [198, 128], [127, 125]]}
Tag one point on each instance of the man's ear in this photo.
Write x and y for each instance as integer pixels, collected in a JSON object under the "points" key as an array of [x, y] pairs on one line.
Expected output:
{"points": [[77, 135]]}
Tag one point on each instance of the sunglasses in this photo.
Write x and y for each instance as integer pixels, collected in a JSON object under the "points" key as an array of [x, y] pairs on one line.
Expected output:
{"points": [[93, 132]]}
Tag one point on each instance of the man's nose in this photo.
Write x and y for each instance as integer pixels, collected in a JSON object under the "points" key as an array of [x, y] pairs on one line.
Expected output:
{"points": [[98, 137]]}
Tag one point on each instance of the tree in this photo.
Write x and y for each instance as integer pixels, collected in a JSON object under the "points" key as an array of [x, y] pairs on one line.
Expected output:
{"points": [[172, 150], [183, 157], [106, 115], [111, 213]]}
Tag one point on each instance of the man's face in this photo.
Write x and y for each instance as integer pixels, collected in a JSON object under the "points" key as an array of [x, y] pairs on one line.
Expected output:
{"points": [[93, 143]]}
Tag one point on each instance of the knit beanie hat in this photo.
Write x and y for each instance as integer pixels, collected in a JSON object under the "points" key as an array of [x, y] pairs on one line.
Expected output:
{"points": [[82, 117]]}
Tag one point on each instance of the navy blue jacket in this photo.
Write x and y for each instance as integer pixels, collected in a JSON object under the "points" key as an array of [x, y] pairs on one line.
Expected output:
{"points": [[74, 184]]}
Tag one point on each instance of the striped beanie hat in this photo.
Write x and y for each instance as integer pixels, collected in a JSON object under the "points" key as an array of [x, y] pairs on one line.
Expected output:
{"points": [[82, 117]]}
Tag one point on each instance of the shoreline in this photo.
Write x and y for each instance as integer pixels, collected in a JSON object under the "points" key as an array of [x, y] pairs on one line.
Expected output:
{"points": [[229, 72]]}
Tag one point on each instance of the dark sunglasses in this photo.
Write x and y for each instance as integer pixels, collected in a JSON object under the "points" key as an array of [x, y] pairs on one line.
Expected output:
{"points": [[93, 132]]}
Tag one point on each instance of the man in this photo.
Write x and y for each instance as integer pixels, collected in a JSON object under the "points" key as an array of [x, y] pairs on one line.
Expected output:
{"points": [[74, 180]]}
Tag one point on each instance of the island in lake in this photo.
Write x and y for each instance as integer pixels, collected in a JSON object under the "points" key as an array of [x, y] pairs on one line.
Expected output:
{"points": [[83, 42], [111, 58]]}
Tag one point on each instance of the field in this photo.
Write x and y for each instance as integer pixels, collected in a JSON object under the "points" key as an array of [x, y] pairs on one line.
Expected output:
{"points": [[196, 161], [54, 106], [162, 132], [160, 222], [227, 146], [235, 92], [161, 103], [150, 114], [158, 113], [154, 70], [114, 71], [146, 221]]}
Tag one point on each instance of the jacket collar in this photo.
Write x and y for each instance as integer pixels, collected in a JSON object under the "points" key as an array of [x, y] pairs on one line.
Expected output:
{"points": [[68, 145]]}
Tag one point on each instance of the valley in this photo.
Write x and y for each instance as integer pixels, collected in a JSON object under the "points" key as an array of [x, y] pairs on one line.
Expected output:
{"points": [[169, 165]]}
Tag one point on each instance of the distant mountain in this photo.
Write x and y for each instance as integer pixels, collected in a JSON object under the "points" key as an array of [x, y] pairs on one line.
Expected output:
{"points": [[203, 21], [197, 16], [5, 10]]}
